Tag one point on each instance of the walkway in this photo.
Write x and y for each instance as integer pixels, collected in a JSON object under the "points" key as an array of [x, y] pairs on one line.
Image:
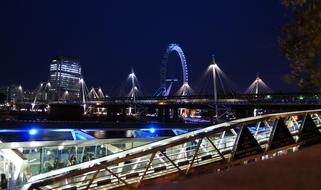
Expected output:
{"points": [[299, 170]]}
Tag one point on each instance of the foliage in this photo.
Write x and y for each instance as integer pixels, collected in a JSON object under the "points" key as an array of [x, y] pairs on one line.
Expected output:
{"points": [[301, 43]]}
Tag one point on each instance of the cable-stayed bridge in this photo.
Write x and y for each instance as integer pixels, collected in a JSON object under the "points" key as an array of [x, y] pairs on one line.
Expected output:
{"points": [[215, 86], [214, 83]]}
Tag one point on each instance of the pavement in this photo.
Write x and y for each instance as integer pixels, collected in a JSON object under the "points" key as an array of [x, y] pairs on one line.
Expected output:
{"points": [[299, 170]]}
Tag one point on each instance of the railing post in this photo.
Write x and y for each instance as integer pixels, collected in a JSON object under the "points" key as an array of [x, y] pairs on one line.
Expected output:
{"points": [[119, 178], [171, 161], [221, 139], [217, 150], [92, 179], [257, 128], [147, 167], [195, 154]]}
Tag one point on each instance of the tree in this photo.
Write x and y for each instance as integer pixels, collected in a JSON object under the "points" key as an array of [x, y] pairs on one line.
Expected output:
{"points": [[300, 42]]}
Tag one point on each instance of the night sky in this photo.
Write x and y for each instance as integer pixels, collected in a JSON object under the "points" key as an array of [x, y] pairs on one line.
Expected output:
{"points": [[110, 37]]}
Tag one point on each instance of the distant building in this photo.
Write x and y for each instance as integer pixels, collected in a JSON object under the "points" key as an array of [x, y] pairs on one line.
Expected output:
{"points": [[65, 75], [4, 90], [12, 93]]}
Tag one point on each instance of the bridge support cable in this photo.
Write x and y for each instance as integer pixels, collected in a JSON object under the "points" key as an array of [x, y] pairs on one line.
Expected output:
{"points": [[214, 84], [224, 113], [257, 86], [84, 95], [92, 95], [41, 90], [101, 94]]}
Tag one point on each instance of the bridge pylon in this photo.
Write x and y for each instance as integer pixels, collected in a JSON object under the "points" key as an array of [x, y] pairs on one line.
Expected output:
{"points": [[258, 86]]}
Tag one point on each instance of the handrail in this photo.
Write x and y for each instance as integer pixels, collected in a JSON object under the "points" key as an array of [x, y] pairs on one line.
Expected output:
{"points": [[33, 144]]}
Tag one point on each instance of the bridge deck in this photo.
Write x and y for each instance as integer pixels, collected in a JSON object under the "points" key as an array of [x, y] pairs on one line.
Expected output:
{"points": [[226, 100], [274, 173]]}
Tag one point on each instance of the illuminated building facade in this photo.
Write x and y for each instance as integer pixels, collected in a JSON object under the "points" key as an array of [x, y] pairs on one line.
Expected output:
{"points": [[65, 75]]}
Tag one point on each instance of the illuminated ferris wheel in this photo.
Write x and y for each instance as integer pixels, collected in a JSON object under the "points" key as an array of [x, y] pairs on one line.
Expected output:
{"points": [[165, 88]]}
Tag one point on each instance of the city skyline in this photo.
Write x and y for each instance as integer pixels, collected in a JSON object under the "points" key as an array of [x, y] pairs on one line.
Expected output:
{"points": [[133, 41], [65, 79]]}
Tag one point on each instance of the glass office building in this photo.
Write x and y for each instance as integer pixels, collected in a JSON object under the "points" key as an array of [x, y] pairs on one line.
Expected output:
{"points": [[65, 74]]}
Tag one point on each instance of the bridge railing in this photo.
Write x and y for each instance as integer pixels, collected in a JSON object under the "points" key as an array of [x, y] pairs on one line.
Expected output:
{"points": [[218, 145], [223, 96]]}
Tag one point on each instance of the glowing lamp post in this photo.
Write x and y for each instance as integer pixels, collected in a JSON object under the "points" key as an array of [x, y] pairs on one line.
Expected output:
{"points": [[132, 77], [258, 80], [214, 67]]}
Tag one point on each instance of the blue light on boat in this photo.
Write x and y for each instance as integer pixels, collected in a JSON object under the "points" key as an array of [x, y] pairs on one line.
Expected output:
{"points": [[33, 131], [152, 130]]}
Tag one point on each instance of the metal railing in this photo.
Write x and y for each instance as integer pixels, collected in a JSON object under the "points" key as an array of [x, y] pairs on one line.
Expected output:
{"points": [[221, 144]]}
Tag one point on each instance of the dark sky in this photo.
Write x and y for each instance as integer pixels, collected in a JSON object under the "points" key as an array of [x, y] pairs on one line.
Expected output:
{"points": [[110, 37]]}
